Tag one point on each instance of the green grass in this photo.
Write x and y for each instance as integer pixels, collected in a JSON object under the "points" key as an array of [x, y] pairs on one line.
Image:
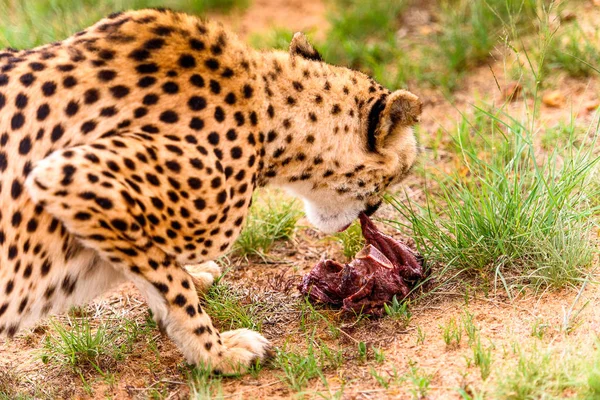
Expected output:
{"points": [[574, 51], [471, 29], [511, 215], [204, 385], [362, 35], [417, 381], [269, 221], [351, 239], [482, 356], [87, 349], [298, 369], [27, 24], [398, 311], [551, 373], [232, 307], [79, 345], [276, 38], [452, 333]]}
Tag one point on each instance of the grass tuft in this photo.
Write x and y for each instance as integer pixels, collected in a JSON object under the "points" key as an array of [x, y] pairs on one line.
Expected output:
{"points": [[204, 385], [351, 239], [79, 345], [299, 370], [398, 311], [508, 213], [232, 307], [574, 51], [452, 333], [269, 221], [85, 349], [551, 373]]}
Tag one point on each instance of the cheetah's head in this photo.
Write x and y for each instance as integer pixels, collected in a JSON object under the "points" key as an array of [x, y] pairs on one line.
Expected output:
{"points": [[363, 140]]}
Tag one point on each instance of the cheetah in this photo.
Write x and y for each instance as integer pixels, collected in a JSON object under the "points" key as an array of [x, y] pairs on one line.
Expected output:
{"points": [[131, 150]]}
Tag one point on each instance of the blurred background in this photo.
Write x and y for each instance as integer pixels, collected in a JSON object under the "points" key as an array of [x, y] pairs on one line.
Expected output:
{"points": [[398, 41]]}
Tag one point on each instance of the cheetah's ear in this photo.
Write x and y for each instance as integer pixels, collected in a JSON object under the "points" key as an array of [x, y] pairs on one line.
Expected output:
{"points": [[300, 47], [400, 109]]}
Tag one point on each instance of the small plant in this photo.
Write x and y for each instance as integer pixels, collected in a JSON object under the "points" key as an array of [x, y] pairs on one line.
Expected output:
{"points": [[379, 355], [381, 380], [421, 335], [203, 384], [351, 239], [398, 311], [332, 395], [84, 348], [482, 357], [299, 369], [570, 319], [269, 221], [231, 307], [79, 346], [470, 328], [539, 329], [452, 333], [419, 381], [362, 351]]}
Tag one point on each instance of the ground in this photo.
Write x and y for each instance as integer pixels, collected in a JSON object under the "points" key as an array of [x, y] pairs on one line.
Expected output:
{"points": [[466, 338]]}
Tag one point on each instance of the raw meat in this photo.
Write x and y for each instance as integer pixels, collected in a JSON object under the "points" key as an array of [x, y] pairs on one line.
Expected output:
{"points": [[383, 268]]}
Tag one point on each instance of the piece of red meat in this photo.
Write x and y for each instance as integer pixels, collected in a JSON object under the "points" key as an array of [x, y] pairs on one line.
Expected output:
{"points": [[384, 268]]}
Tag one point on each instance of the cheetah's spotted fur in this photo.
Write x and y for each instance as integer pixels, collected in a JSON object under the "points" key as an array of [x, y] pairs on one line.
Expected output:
{"points": [[133, 147]]}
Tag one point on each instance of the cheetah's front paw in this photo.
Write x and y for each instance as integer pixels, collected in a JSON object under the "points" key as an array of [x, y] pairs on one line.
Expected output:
{"points": [[204, 274], [243, 348]]}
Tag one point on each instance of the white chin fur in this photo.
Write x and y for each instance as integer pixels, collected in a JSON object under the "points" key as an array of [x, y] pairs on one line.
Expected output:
{"points": [[331, 219]]}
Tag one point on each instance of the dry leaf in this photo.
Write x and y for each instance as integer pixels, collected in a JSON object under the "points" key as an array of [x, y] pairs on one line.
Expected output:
{"points": [[554, 99]]}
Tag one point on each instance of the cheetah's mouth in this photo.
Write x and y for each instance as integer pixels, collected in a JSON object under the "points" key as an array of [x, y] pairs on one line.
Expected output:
{"points": [[345, 227], [370, 210]]}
